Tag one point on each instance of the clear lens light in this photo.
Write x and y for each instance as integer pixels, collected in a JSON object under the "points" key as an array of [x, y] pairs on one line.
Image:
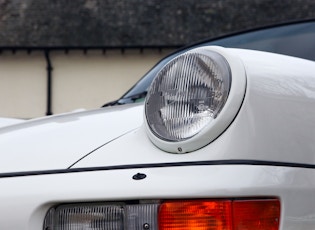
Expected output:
{"points": [[102, 216], [187, 94], [85, 217]]}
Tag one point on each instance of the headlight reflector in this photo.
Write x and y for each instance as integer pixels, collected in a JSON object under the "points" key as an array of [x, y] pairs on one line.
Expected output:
{"points": [[187, 94], [194, 98]]}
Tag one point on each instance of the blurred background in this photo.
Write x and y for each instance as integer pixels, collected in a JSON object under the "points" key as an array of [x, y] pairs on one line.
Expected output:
{"points": [[57, 55]]}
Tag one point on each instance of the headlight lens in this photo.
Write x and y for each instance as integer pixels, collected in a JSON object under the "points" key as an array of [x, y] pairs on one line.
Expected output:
{"points": [[188, 95]]}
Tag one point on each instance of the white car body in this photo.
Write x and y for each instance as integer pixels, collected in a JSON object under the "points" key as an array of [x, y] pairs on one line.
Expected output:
{"points": [[4, 121], [268, 150]]}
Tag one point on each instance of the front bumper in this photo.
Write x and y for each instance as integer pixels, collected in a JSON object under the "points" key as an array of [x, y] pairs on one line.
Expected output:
{"points": [[25, 200]]}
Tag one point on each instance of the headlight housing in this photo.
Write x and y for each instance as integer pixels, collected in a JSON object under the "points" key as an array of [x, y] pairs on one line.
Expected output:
{"points": [[187, 104]]}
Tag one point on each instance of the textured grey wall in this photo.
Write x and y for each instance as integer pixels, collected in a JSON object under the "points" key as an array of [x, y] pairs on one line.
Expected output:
{"points": [[117, 23]]}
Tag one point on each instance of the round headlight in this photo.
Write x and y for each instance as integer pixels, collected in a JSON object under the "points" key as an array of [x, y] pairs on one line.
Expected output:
{"points": [[186, 97]]}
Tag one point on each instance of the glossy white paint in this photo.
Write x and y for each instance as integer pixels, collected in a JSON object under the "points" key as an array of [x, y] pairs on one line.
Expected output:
{"points": [[25, 200], [275, 123], [59, 141], [9, 121]]}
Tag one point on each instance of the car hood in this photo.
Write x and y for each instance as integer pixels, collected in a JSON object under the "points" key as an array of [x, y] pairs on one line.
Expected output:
{"points": [[274, 125], [57, 142], [267, 129], [4, 121]]}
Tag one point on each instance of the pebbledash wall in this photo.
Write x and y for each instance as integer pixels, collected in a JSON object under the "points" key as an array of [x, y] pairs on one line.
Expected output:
{"points": [[57, 56]]}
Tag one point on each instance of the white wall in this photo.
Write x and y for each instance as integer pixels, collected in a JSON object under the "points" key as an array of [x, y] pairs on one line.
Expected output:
{"points": [[79, 80], [22, 84]]}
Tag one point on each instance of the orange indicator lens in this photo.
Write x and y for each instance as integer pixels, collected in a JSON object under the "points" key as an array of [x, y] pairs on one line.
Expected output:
{"points": [[256, 214], [261, 214], [198, 215]]}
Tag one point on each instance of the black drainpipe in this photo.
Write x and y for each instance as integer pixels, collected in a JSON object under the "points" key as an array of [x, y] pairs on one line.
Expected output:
{"points": [[49, 81]]}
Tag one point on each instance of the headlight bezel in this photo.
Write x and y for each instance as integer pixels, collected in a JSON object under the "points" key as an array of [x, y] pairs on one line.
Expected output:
{"points": [[227, 113]]}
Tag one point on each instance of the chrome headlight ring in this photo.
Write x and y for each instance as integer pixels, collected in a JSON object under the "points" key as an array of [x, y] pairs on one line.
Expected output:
{"points": [[194, 98]]}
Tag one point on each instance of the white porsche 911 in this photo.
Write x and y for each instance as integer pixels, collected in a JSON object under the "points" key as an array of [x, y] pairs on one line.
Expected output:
{"points": [[224, 140]]}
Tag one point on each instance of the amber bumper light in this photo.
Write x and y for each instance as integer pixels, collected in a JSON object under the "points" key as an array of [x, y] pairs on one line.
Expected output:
{"points": [[207, 214], [220, 215]]}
